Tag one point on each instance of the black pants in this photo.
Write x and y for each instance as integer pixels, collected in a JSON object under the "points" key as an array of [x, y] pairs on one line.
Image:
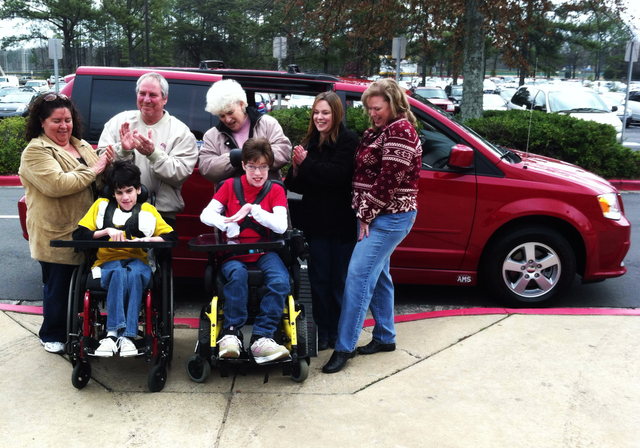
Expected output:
{"points": [[56, 279]]}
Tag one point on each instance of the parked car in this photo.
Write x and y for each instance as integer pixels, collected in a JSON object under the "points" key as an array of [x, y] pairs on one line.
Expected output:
{"points": [[6, 90], [39, 85], [23, 79], [263, 103], [296, 100], [577, 101], [634, 106], [522, 224], [9, 81], [615, 101], [507, 93], [436, 96], [454, 93], [493, 101], [16, 104], [489, 86], [52, 79]]}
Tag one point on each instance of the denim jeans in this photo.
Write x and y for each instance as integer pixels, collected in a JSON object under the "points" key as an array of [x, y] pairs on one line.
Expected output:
{"points": [[328, 263], [125, 282], [55, 299], [369, 283], [236, 292]]}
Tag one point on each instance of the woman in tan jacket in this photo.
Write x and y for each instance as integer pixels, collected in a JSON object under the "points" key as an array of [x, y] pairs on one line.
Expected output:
{"points": [[58, 171]]}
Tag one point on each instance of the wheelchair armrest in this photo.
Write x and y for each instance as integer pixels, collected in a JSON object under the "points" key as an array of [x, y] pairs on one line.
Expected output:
{"points": [[297, 245]]}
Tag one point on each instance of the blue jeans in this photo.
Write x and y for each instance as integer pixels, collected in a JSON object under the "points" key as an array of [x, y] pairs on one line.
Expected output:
{"points": [[125, 282], [236, 292], [369, 283], [55, 299], [328, 263]]}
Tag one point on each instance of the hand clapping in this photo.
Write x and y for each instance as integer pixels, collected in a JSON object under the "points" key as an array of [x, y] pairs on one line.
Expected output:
{"points": [[136, 140], [244, 211]]}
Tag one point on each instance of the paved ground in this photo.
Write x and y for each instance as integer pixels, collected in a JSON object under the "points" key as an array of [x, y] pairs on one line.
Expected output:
{"points": [[487, 380]]}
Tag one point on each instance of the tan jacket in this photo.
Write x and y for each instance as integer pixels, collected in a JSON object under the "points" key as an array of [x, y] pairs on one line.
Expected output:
{"points": [[213, 162], [58, 194]]}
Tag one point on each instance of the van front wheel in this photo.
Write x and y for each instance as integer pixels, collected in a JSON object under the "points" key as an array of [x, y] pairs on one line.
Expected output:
{"points": [[530, 267]]}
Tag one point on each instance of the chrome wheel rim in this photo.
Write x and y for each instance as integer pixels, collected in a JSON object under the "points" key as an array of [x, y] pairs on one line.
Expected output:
{"points": [[531, 270]]}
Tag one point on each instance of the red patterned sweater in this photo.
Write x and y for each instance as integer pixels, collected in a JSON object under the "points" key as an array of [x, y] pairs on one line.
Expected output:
{"points": [[387, 170]]}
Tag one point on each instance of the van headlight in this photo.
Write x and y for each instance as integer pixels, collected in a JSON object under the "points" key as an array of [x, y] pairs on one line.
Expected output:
{"points": [[610, 206]]}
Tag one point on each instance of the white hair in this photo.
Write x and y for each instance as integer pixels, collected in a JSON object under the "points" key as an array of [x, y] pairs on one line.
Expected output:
{"points": [[223, 94]]}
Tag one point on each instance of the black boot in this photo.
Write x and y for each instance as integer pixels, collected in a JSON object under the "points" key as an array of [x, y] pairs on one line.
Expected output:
{"points": [[337, 361], [375, 347]]}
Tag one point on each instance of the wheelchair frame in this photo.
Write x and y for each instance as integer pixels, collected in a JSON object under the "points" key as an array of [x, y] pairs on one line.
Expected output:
{"points": [[296, 329], [86, 324]]}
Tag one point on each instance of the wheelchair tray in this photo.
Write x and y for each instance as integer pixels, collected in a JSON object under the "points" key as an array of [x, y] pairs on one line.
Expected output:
{"points": [[95, 244], [212, 242]]}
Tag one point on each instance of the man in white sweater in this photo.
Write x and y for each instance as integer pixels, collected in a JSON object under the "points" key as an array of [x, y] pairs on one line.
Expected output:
{"points": [[162, 146]]}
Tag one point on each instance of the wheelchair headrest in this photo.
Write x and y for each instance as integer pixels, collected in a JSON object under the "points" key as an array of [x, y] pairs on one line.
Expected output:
{"points": [[235, 158], [142, 197]]}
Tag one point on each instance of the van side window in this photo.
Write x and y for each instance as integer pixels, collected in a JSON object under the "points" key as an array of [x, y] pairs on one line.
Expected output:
{"points": [[111, 96], [117, 95], [436, 146]]}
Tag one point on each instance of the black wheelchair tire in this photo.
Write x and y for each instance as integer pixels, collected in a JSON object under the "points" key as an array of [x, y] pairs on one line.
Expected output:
{"points": [[157, 377], [304, 299], [81, 375], [198, 368]]}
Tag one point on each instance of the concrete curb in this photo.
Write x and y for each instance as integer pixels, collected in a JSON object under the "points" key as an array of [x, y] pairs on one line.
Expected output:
{"points": [[193, 322]]}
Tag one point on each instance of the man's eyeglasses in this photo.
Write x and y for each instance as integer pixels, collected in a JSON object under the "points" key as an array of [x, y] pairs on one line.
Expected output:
{"points": [[53, 96], [253, 168]]}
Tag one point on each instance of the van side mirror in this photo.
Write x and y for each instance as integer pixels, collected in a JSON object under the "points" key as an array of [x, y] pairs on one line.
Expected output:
{"points": [[461, 157], [614, 108]]}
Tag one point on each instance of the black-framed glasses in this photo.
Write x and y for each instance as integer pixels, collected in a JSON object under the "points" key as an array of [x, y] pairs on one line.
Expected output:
{"points": [[53, 96]]}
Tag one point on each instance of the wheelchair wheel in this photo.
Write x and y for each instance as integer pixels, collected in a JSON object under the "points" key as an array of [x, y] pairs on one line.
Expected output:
{"points": [[71, 307], [81, 375], [304, 299], [169, 316], [157, 377], [300, 371], [198, 368]]}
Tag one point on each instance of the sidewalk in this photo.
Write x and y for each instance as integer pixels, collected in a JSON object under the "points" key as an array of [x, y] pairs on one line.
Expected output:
{"points": [[484, 380]]}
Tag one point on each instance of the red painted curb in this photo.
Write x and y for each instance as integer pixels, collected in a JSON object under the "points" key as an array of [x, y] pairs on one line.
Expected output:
{"points": [[10, 181], [192, 322], [628, 185]]}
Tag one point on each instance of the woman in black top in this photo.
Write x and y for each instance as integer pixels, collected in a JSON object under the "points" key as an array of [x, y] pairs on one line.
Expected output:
{"points": [[322, 171]]}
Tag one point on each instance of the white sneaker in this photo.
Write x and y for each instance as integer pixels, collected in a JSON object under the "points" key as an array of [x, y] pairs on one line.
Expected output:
{"points": [[127, 347], [53, 347], [266, 349], [107, 347], [229, 347]]}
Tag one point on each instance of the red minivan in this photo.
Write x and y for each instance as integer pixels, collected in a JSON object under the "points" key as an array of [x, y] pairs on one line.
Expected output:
{"points": [[521, 223]]}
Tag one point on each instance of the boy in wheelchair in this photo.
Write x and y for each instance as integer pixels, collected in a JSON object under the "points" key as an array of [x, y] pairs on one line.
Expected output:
{"points": [[124, 272], [252, 220]]}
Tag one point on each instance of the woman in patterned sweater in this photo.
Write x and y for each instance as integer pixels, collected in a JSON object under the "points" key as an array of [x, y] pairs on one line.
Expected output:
{"points": [[385, 187]]}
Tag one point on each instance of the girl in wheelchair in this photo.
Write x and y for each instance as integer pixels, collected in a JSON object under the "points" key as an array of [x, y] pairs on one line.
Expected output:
{"points": [[124, 272], [253, 219]]}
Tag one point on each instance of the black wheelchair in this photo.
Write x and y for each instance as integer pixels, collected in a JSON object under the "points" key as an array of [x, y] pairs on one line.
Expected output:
{"points": [[296, 330], [86, 322]]}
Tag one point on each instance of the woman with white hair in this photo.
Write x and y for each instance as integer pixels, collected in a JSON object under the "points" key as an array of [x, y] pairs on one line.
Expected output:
{"points": [[228, 101]]}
